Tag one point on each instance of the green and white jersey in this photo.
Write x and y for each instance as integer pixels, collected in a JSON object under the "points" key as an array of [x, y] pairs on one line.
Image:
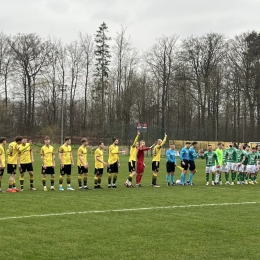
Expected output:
{"points": [[240, 155], [219, 153], [246, 159], [252, 157], [211, 158], [230, 155]]}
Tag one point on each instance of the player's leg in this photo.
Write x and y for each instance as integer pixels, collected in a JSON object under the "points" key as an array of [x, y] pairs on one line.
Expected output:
{"points": [[52, 173], [139, 171], [98, 177], [155, 167], [132, 172], [11, 170], [30, 170], [109, 177], [44, 179], [228, 168], [233, 173], [80, 177], [185, 166], [21, 179], [207, 171], [168, 173], [85, 179], [192, 169], [172, 175], [115, 174], [68, 172], [1, 177], [62, 173]]}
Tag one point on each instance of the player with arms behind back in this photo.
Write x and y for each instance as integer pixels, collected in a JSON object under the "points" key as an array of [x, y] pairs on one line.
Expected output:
{"points": [[156, 159], [66, 163], [99, 165], [48, 163]]}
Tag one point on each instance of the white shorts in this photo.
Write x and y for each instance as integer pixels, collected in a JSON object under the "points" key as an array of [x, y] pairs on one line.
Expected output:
{"points": [[210, 169], [250, 168], [230, 166], [222, 168], [239, 168]]}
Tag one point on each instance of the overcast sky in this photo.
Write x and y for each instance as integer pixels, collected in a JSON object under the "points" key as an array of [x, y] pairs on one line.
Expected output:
{"points": [[145, 20]]}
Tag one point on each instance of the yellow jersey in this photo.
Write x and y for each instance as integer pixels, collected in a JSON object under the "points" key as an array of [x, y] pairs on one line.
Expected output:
{"points": [[113, 154], [157, 151], [47, 153], [83, 152], [12, 153], [2, 154], [24, 152], [65, 154], [99, 153], [133, 150]]}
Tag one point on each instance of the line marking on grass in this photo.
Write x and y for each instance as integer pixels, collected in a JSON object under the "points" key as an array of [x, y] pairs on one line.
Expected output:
{"points": [[130, 209]]}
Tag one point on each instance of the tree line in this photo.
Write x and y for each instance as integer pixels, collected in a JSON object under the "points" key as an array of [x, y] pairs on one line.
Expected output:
{"points": [[202, 87]]}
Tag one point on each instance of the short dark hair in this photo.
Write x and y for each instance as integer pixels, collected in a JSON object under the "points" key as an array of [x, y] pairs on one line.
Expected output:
{"points": [[47, 138], [193, 143], [209, 145], [253, 148], [219, 143], [66, 138], [83, 140], [114, 139], [100, 142], [188, 142], [2, 139], [18, 138]]}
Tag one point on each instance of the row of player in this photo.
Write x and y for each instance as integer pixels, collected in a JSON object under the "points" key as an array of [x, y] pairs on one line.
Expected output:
{"points": [[20, 155]]}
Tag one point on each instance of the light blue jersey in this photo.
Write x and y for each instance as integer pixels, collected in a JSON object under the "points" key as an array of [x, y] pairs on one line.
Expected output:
{"points": [[170, 155], [184, 154], [192, 154]]}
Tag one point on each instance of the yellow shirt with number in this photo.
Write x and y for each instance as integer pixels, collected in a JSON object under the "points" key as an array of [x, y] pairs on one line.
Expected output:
{"points": [[65, 154], [113, 154], [12, 153], [157, 151], [47, 153], [133, 150], [2, 154], [24, 152], [83, 152], [99, 153]]}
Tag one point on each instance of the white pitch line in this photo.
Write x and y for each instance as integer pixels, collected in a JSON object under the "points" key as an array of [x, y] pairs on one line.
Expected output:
{"points": [[130, 209]]}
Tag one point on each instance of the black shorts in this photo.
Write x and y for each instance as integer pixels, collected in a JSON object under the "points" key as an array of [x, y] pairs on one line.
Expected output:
{"points": [[131, 166], [98, 171], [192, 166], [48, 170], [66, 169], [82, 170], [186, 166], [2, 172], [113, 168], [170, 167], [26, 167], [155, 166], [11, 168]]}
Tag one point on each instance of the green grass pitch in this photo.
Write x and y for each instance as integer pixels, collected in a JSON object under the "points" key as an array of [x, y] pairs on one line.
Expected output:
{"points": [[193, 222]]}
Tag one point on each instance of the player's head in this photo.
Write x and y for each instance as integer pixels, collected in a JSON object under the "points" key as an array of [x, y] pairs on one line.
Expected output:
{"points": [[137, 144], [253, 149], [142, 143], [187, 144], [67, 140], [247, 148], [159, 141], [240, 147], [219, 145], [231, 144], [3, 140], [84, 141], [172, 146], [115, 141], [210, 147], [101, 145], [24, 140], [18, 139], [47, 140], [258, 148], [194, 144]]}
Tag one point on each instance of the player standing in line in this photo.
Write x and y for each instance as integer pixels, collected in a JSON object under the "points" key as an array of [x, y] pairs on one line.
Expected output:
{"points": [[239, 163], [82, 163], [219, 152], [184, 157], [113, 163], [211, 160], [258, 160], [192, 167], [170, 165], [229, 158], [140, 162], [2, 159], [252, 164], [48, 163], [132, 161], [156, 160], [25, 161], [246, 174], [99, 165], [12, 156], [66, 163]]}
